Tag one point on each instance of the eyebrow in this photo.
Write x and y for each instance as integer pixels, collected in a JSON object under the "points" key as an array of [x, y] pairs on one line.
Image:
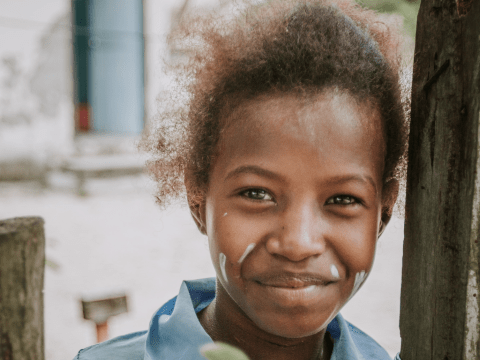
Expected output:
{"points": [[337, 180], [364, 179], [253, 169]]}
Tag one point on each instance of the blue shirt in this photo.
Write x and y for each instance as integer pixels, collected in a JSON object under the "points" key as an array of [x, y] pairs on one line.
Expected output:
{"points": [[175, 333]]}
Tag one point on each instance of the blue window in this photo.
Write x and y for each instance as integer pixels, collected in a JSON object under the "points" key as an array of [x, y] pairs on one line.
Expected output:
{"points": [[109, 66]]}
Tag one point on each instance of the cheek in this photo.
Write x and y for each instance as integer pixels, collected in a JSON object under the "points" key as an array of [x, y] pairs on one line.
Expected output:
{"points": [[222, 261], [334, 271], [356, 247], [356, 250], [359, 280], [245, 253], [231, 240]]}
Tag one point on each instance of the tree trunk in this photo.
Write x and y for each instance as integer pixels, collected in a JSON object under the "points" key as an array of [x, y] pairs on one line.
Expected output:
{"points": [[22, 261], [440, 286]]}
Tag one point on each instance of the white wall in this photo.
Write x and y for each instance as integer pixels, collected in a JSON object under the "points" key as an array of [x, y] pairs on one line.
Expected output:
{"points": [[157, 25], [36, 112], [35, 85]]}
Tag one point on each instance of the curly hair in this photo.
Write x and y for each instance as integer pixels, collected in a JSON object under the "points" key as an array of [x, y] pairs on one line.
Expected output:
{"points": [[276, 46]]}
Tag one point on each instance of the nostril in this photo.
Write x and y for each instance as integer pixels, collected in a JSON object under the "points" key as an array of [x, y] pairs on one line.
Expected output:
{"points": [[295, 248]]}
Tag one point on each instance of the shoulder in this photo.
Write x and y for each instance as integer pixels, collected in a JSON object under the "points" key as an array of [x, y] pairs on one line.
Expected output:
{"points": [[349, 342], [368, 347], [125, 347]]}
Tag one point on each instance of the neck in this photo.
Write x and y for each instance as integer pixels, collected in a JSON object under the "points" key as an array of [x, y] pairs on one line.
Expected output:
{"points": [[224, 321]]}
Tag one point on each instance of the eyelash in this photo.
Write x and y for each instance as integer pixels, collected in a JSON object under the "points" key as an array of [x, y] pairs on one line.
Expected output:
{"points": [[330, 201], [257, 191], [354, 200]]}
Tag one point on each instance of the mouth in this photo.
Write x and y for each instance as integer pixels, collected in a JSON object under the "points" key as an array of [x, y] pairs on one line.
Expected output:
{"points": [[292, 290], [292, 281]]}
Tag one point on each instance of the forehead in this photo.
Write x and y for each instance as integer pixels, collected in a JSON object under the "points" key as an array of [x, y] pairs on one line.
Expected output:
{"points": [[328, 122]]}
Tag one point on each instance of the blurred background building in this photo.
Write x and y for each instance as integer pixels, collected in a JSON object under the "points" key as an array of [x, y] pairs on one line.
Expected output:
{"points": [[78, 78], [81, 77], [79, 82], [108, 71]]}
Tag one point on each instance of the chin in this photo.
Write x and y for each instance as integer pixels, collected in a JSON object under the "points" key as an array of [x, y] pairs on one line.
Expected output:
{"points": [[293, 327]]}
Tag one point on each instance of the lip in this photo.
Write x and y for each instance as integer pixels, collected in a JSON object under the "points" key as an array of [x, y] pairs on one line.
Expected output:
{"points": [[298, 293], [292, 280]]}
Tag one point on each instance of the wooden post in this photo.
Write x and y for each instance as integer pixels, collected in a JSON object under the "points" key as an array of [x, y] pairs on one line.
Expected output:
{"points": [[440, 281], [102, 332], [22, 262]]}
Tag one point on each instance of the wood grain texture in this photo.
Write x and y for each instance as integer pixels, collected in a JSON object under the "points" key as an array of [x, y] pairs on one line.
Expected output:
{"points": [[22, 262], [439, 301]]}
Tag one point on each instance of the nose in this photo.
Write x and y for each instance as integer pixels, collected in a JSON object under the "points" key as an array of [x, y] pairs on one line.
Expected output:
{"points": [[299, 235]]}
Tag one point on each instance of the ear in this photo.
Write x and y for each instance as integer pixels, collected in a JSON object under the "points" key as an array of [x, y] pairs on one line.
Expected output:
{"points": [[389, 197], [196, 203], [198, 214]]}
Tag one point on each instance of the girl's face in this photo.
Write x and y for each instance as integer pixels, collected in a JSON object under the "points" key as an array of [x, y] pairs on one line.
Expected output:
{"points": [[293, 208]]}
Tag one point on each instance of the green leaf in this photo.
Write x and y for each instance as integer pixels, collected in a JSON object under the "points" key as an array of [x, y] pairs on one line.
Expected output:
{"points": [[222, 351], [407, 8]]}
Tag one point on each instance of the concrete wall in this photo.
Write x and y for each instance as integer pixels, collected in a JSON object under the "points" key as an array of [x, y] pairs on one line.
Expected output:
{"points": [[36, 112], [35, 95]]}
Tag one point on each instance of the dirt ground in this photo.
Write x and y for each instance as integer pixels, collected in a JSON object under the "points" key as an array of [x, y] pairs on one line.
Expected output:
{"points": [[116, 239]]}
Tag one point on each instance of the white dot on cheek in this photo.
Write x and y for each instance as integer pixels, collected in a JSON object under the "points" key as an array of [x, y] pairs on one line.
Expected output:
{"points": [[223, 260], [334, 271], [225, 214]]}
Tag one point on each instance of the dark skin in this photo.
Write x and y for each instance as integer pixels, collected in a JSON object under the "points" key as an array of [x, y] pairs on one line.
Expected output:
{"points": [[237, 329], [295, 205]]}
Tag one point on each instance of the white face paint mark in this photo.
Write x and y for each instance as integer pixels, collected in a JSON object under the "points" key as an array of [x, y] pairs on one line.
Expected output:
{"points": [[334, 271], [247, 251], [225, 214], [359, 279], [223, 260]]}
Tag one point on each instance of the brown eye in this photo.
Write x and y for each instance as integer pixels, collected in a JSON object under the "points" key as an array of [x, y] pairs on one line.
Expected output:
{"points": [[257, 194], [342, 200]]}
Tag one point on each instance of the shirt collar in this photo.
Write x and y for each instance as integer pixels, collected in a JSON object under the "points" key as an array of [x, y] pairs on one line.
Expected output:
{"points": [[176, 333]]}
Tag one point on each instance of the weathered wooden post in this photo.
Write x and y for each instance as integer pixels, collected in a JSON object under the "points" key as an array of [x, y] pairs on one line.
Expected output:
{"points": [[440, 285], [22, 261]]}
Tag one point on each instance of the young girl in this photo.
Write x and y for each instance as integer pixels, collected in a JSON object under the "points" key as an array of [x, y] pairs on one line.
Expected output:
{"points": [[290, 146]]}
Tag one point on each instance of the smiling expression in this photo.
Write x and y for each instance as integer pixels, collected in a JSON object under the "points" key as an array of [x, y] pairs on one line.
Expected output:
{"points": [[295, 192]]}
